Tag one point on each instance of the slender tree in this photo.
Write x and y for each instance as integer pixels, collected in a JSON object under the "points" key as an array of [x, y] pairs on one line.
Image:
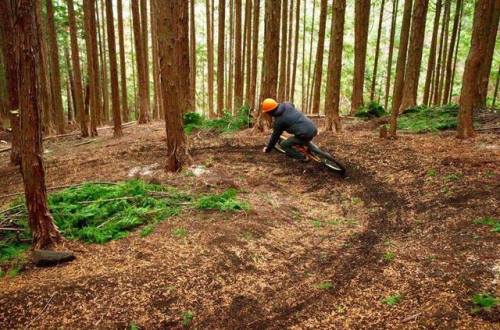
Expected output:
{"points": [[115, 93], [495, 94], [377, 50], [410, 88], [192, 57], [395, 4], [248, 50], [75, 59], [483, 17], [291, 50], [295, 50], [7, 34], [451, 52], [92, 64], [455, 57], [54, 69], [332, 101], [306, 107], [157, 102], [173, 33], [141, 65], [45, 233], [210, 58], [220, 57], [255, 53], [101, 34], [400, 66], [361, 24], [442, 68], [269, 83], [229, 60], [284, 51], [238, 76], [319, 58], [432, 54], [436, 95], [145, 46], [123, 66]]}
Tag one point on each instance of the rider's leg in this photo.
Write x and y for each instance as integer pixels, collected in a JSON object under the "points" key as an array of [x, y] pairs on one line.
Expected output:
{"points": [[289, 146]]}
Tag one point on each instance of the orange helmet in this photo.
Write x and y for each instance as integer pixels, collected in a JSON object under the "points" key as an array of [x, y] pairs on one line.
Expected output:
{"points": [[269, 105]]}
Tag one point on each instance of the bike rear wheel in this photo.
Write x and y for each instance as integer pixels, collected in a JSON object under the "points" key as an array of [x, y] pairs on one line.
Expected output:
{"points": [[329, 162]]}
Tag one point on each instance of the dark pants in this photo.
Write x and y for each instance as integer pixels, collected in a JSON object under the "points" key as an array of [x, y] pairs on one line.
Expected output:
{"points": [[289, 146]]}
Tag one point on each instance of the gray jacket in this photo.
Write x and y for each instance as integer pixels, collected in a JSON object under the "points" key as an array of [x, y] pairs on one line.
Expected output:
{"points": [[288, 118]]}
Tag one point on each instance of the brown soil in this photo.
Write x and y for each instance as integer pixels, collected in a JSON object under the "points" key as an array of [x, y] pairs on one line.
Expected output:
{"points": [[261, 269]]}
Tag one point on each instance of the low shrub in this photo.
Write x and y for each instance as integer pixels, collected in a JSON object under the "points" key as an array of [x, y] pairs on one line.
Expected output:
{"points": [[422, 119], [371, 110], [227, 123]]}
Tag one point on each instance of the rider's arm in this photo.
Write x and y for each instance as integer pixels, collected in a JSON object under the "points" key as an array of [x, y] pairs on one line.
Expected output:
{"points": [[278, 130]]}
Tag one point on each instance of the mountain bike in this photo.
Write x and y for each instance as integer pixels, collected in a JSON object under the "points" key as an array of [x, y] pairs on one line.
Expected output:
{"points": [[313, 152]]}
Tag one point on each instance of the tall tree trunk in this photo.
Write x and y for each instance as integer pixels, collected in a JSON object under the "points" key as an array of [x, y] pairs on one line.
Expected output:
{"points": [[123, 66], [157, 103], [395, 4], [69, 87], [332, 101], [104, 115], [238, 74], [361, 24], [55, 70], [210, 59], [455, 57], [113, 68], [44, 76], [495, 94], [377, 50], [291, 50], [255, 53], [145, 46], [220, 58], [134, 60], [296, 50], [248, 52], [410, 88], [141, 65], [173, 33], [192, 57], [432, 54], [319, 58], [445, 52], [92, 64], [483, 17], [229, 59], [436, 96], [400, 66], [45, 233], [451, 52], [309, 66], [269, 83], [303, 75], [9, 54], [75, 59], [488, 57], [284, 51]]}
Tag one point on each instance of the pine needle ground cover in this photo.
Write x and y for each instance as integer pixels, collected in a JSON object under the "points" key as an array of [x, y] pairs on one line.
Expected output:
{"points": [[98, 213]]}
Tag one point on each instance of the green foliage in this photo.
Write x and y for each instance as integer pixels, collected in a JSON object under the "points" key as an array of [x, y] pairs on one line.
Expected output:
{"points": [[452, 177], [484, 301], [187, 318], [392, 299], [422, 119], [148, 230], [226, 124], [371, 110], [179, 232], [133, 326], [431, 173], [493, 223], [389, 256], [326, 285], [226, 201]]}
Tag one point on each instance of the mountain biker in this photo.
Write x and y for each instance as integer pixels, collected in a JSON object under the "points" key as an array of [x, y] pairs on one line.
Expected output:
{"points": [[288, 118]]}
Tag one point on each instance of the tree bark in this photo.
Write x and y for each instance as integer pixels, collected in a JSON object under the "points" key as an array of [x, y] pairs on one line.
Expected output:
{"points": [[104, 115], [284, 51], [45, 233], [173, 33], [455, 57], [210, 59], [306, 108], [445, 53], [192, 57], [410, 88], [229, 61], [400, 66], [449, 61], [395, 4], [270, 62], [69, 87], [92, 65], [113, 69], [123, 66], [377, 49], [145, 47], [220, 58], [432, 54], [483, 17], [290, 43], [238, 74], [332, 101], [10, 60], [495, 94], [319, 58], [436, 95], [58, 113], [296, 50], [157, 103], [361, 24], [255, 54], [248, 50], [141, 65], [75, 59]]}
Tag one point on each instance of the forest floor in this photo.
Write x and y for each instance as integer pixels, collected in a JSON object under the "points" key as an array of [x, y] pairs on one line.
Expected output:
{"points": [[315, 251]]}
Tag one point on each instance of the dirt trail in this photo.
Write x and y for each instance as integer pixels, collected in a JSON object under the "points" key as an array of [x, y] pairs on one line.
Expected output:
{"points": [[310, 254]]}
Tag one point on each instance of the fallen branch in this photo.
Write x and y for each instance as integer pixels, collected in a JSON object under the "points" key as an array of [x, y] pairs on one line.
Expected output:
{"points": [[409, 318], [488, 128], [10, 209], [83, 143], [10, 229], [109, 200], [41, 313]]}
